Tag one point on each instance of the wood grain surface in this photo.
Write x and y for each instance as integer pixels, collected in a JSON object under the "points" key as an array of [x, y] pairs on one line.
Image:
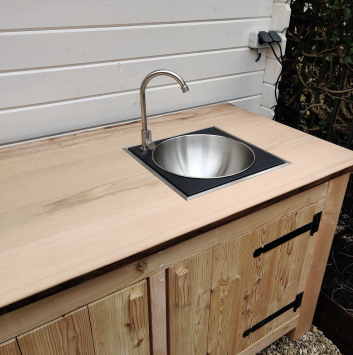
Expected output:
{"points": [[325, 234], [78, 203], [188, 324], [137, 312], [182, 287], [158, 313], [246, 290], [69, 335], [111, 322], [104, 282], [10, 348]]}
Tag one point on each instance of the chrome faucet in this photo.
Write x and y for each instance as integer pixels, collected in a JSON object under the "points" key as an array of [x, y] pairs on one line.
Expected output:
{"points": [[146, 135]]}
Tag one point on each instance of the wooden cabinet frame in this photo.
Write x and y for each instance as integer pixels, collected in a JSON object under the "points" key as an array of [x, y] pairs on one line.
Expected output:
{"points": [[328, 197]]}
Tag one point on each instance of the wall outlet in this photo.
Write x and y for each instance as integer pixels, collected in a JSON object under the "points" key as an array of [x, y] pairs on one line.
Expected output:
{"points": [[254, 41]]}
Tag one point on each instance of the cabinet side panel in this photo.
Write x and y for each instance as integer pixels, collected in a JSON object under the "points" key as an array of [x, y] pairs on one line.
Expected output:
{"points": [[111, 323], [69, 335], [188, 324], [325, 234]]}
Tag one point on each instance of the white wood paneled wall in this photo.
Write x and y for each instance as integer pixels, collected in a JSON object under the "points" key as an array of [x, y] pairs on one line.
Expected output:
{"points": [[279, 22], [70, 64]]}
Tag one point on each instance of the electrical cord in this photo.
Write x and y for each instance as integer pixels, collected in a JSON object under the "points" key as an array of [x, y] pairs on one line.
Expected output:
{"points": [[277, 84], [274, 52]]}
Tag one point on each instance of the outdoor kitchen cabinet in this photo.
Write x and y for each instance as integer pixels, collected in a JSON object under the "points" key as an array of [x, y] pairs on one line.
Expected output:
{"points": [[227, 273], [232, 298]]}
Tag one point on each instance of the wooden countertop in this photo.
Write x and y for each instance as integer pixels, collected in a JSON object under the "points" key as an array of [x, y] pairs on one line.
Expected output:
{"points": [[74, 204]]}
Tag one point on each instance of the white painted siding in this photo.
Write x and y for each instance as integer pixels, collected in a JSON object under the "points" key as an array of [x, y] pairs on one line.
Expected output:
{"points": [[70, 64]]}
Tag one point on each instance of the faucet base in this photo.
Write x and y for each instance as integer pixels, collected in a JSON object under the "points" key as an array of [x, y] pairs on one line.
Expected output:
{"points": [[147, 143]]}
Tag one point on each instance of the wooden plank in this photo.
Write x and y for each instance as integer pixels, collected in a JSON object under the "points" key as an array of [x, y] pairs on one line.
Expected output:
{"points": [[34, 121], [48, 48], [246, 290], [78, 13], [69, 335], [332, 208], [291, 258], [137, 311], [272, 71], [182, 287], [158, 313], [309, 252], [188, 325], [10, 348], [31, 87], [335, 322], [112, 327], [49, 308], [268, 98], [270, 338]]}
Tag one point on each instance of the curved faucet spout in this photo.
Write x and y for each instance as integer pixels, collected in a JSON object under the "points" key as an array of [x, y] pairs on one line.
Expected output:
{"points": [[146, 135]]}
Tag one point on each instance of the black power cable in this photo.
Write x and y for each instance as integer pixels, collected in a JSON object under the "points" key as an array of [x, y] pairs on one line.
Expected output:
{"points": [[270, 38], [277, 39]]}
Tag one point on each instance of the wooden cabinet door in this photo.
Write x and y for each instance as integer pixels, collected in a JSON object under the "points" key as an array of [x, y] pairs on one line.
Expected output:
{"points": [[120, 322], [9, 348], [69, 335], [189, 285], [247, 289]]}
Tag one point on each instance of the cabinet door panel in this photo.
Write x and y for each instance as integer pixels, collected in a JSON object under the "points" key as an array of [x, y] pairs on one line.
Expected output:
{"points": [[9, 348], [189, 285], [114, 317], [69, 335], [246, 290]]}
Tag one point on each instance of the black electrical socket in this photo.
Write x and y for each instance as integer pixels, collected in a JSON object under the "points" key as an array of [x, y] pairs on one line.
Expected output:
{"points": [[275, 36], [264, 37]]}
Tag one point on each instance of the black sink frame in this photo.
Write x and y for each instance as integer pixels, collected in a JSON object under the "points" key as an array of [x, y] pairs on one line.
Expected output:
{"points": [[190, 188]]}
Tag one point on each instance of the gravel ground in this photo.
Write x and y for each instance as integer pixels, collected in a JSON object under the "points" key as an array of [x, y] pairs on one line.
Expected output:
{"points": [[311, 343]]}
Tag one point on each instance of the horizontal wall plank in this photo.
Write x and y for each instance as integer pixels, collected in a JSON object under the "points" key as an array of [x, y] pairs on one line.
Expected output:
{"points": [[268, 98], [251, 103], [272, 70], [42, 120], [64, 83], [267, 112], [38, 49], [21, 14]]}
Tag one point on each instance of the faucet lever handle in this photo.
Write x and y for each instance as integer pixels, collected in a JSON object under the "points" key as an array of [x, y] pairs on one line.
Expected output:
{"points": [[147, 143]]}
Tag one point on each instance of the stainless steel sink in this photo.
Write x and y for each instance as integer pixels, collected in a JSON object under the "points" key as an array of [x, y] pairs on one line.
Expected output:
{"points": [[203, 161], [203, 156]]}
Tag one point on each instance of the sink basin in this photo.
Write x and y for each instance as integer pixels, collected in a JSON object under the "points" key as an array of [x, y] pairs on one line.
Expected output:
{"points": [[203, 156]]}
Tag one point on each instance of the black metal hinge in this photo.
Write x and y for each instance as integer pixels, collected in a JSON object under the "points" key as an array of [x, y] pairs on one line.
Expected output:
{"points": [[295, 305], [313, 227]]}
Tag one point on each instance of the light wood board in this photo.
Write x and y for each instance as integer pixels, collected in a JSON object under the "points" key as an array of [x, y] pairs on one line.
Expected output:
{"points": [[74, 204], [271, 337], [158, 313], [111, 322], [79, 46], [10, 348], [246, 290], [69, 335], [188, 323], [83, 13]]}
